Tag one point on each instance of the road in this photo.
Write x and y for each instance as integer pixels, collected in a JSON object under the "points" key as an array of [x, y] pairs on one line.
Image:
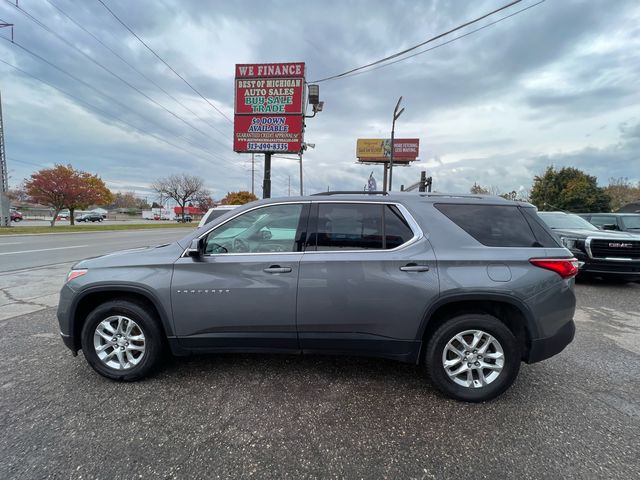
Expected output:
{"points": [[27, 251], [576, 415]]}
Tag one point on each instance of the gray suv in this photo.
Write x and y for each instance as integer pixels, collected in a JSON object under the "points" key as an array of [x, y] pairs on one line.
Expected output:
{"points": [[468, 286]]}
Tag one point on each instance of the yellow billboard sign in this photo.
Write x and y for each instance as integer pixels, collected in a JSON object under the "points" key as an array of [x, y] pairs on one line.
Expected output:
{"points": [[374, 148]]}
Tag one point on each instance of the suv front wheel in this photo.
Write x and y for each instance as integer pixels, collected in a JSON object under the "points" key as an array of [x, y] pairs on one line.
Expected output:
{"points": [[121, 340], [473, 357]]}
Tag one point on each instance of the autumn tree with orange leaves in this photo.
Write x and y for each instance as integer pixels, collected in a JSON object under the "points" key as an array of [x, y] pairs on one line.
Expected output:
{"points": [[238, 198], [65, 187]]}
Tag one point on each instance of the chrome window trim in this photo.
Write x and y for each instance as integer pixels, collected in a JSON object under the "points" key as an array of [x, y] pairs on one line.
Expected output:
{"points": [[413, 225]]}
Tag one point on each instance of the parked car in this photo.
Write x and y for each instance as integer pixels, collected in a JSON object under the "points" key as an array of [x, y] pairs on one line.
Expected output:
{"points": [[613, 255], [15, 215], [90, 217], [187, 218], [468, 286], [215, 212], [624, 222]]}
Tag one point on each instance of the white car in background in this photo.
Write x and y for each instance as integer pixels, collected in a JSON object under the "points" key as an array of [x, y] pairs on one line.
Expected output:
{"points": [[214, 213]]}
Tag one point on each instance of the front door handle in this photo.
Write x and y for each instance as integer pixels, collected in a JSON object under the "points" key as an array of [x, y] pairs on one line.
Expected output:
{"points": [[412, 267], [277, 269]]}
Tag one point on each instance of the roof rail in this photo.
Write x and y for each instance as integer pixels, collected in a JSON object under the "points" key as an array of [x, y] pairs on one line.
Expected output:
{"points": [[350, 192]]}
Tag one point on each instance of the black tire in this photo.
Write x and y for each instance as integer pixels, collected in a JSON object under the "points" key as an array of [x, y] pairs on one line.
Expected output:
{"points": [[434, 357], [148, 324]]}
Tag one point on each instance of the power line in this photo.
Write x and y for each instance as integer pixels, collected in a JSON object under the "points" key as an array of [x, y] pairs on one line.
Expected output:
{"points": [[432, 39], [147, 78], [444, 43], [106, 69], [163, 61], [101, 111], [39, 57]]}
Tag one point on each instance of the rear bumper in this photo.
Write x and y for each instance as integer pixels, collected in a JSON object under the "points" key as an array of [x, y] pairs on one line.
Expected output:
{"points": [[543, 348]]}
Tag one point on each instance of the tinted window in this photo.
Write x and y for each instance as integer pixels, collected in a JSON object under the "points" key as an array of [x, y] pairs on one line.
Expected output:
{"points": [[344, 226], [492, 225], [267, 229], [396, 228], [598, 220], [357, 226], [540, 230], [631, 222], [565, 220], [215, 214]]}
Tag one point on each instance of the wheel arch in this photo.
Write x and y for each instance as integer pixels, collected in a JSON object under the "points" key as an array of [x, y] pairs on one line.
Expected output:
{"points": [[92, 297], [513, 312]]}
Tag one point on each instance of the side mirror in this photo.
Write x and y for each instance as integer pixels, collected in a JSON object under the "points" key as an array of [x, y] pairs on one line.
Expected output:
{"points": [[609, 226], [196, 249]]}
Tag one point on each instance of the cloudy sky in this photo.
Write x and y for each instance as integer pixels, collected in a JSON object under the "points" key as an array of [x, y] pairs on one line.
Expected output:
{"points": [[556, 84]]}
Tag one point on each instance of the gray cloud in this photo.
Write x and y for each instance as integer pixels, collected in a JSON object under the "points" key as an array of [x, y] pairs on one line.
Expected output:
{"points": [[493, 108]]}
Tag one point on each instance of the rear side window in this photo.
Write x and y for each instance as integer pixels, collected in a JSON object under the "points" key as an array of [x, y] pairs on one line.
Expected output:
{"points": [[600, 220], [359, 226], [545, 237], [396, 229], [215, 214], [344, 226], [492, 225]]}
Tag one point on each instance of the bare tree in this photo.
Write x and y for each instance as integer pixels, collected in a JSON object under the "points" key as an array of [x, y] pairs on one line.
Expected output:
{"points": [[182, 188]]}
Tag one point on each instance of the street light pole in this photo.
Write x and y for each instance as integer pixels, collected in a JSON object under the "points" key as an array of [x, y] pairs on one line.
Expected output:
{"points": [[396, 115]]}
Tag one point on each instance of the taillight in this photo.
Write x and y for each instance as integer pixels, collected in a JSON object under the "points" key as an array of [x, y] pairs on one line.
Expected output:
{"points": [[565, 267], [76, 273]]}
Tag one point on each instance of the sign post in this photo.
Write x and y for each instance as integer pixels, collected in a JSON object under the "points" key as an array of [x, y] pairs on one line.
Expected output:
{"points": [[269, 110]]}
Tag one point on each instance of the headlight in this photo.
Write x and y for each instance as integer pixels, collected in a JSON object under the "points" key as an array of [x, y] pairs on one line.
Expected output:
{"points": [[570, 243], [75, 274]]}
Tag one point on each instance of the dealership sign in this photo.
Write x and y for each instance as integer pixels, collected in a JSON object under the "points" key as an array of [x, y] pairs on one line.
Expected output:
{"points": [[379, 149], [269, 107]]}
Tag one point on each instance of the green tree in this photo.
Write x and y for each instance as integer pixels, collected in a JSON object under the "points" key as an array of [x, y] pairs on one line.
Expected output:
{"points": [[568, 189]]}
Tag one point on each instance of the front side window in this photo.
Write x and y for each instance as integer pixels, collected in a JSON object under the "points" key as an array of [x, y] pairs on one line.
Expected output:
{"points": [[267, 229], [359, 226]]}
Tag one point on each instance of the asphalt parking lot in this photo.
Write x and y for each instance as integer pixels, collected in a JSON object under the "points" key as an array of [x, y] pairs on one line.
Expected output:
{"points": [[576, 415]]}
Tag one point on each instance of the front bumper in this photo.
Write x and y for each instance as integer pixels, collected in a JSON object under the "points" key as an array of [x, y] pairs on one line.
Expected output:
{"points": [[597, 266], [543, 348], [64, 317]]}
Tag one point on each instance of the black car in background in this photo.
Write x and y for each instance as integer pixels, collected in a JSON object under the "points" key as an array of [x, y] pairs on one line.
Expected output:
{"points": [[613, 255], [90, 217], [623, 222]]}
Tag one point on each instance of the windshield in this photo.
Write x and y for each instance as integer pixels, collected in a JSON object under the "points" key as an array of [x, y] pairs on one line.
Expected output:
{"points": [[565, 220], [632, 222]]}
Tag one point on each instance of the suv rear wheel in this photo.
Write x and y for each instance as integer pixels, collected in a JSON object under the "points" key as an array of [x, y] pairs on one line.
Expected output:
{"points": [[121, 340], [473, 357]]}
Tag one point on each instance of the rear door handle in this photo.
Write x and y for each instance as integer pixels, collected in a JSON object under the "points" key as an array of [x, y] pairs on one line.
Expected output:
{"points": [[412, 267], [277, 269]]}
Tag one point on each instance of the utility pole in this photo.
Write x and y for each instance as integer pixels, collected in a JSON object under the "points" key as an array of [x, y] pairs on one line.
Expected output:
{"points": [[253, 173], [5, 217], [396, 115], [301, 193], [266, 181]]}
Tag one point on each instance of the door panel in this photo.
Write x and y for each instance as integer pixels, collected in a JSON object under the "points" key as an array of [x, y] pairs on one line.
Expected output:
{"points": [[231, 300], [241, 293], [365, 301]]}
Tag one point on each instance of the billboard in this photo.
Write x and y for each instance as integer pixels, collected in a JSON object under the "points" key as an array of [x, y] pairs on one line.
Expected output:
{"points": [[379, 149], [268, 133], [269, 107]]}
